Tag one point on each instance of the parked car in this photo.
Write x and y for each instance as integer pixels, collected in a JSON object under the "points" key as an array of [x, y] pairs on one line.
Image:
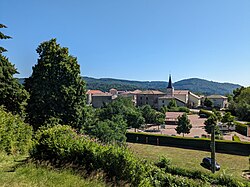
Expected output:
{"points": [[207, 162]]}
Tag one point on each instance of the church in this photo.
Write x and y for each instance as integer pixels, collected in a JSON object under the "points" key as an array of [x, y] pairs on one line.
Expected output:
{"points": [[157, 99]]}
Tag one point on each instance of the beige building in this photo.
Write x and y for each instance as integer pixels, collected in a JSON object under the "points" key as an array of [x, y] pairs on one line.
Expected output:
{"points": [[98, 100], [149, 97], [89, 94], [132, 95], [218, 101], [164, 101], [158, 99]]}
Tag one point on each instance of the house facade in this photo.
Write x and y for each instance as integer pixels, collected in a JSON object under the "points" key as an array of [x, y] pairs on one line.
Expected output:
{"points": [[219, 101]]}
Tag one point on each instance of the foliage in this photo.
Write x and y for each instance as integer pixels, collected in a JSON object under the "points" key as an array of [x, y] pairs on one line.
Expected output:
{"points": [[225, 146], [208, 102], [15, 135], [183, 126], [240, 106], [56, 88], [174, 109], [172, 104], [195, 85], [226, 180], [206, 113], [17, 171], [212, 121], [12, 94], [152, 116], [228, 119], [241, 128], [109, 131], [236, 138], [109, 123], [61, 145]]}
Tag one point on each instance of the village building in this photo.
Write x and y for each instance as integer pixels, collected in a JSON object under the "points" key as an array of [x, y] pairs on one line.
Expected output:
{"points": [[158, 99], [218, 101], [98, 100]]}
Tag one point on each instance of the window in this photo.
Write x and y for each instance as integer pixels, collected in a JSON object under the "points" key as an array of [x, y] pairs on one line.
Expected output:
{"points": [[146, 98], [141, 98], [162, 101]]}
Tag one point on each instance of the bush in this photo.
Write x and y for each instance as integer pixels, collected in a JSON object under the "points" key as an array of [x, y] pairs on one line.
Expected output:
{"points": [[205, 113], [61, 145], [241, 128], [236, 138], [15, 135]]}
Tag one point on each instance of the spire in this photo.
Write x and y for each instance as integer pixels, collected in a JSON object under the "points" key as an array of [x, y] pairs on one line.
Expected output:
{"points": [[170, 82]]}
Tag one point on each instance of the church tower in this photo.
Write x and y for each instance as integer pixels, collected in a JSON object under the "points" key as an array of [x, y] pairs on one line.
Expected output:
{"points": [[170, 88]]}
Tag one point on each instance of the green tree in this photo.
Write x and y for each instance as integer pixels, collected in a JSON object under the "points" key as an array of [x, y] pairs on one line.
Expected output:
{"points": [[172, 104], [13, 96], [212, 121], [148, 113], [56, 87], [228, 119], [110, 131], [208, 102], [183, 126], [240, 106], [134, 119]]}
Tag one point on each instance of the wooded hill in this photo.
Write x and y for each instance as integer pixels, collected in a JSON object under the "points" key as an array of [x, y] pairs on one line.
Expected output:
{"points": [[195, 85]]}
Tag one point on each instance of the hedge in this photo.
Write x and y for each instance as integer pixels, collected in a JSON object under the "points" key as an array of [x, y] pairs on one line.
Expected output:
{"points": [[241, 128], [208, 113], [222, 146]]}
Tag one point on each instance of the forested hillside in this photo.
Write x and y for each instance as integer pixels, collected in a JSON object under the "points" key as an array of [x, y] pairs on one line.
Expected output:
{"points": [[194, 84]]}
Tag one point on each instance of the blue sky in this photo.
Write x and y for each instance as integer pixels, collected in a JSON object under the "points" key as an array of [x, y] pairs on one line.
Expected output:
{"points": [[135, 39]]}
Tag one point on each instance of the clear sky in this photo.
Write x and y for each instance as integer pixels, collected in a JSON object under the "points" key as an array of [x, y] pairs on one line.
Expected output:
{"points": [[135, 39]]}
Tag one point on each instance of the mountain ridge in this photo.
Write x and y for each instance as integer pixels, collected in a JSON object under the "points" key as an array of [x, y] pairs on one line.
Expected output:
{"points": [[196, 85]]}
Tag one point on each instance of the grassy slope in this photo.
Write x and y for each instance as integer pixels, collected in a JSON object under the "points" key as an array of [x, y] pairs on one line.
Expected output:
{"points": [[14, 172], [190, 159]]}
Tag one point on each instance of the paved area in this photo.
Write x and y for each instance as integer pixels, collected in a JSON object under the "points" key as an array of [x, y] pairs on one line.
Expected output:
{"points": [[197, 127]]}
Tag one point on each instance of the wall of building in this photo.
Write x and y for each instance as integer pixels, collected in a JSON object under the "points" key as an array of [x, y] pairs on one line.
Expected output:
{"points": [[98, 101]]}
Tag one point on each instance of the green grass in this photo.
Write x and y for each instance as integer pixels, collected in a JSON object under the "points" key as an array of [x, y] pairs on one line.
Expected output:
{"points": [[15, 172], [232, 165]]}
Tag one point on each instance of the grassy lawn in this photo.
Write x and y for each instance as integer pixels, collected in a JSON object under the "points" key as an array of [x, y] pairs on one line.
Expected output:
{"points": [[232, 165], [14, 172]]}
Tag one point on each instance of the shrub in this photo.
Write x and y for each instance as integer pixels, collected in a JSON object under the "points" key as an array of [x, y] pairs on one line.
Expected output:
{"points": [[61, 145], [205, 113], [236, 138], [241, 128], [15, 135]]}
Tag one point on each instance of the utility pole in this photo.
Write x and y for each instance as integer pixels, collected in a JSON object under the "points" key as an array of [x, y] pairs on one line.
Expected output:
{"points": [[213, 148]]}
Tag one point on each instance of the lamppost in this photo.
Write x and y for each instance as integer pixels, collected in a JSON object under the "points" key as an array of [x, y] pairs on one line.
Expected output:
{"points": [[213, 148]]}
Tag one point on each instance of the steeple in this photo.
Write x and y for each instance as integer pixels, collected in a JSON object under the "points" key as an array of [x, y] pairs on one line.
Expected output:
{"points": [[170, 88], [170, 82]]}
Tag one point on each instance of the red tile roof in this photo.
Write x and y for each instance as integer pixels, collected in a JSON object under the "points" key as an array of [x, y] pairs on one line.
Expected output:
{"points": [[94, 92]]}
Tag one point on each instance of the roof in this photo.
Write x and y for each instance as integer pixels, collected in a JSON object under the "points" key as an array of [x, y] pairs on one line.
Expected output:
{"points": [[151, 92], [181, 92], [194, 95], [94, 92], [216, 97], [102, 94], [136, 91]]}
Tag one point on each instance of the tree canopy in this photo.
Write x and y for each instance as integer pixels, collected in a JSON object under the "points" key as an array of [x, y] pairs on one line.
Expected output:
{"points": [[183, 126], [13, 96], [56, 87]]}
